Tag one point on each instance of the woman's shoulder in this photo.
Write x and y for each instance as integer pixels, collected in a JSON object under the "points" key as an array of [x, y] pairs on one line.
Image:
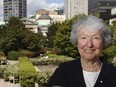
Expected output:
{"points": [[110, 67], [71, 64]]}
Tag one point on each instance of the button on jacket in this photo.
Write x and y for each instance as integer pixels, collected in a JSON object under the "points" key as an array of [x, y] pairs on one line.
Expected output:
{"points": [[70, 74]]}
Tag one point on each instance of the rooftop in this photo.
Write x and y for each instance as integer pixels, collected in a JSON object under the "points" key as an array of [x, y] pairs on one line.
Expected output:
{"points": [[44, 16]]}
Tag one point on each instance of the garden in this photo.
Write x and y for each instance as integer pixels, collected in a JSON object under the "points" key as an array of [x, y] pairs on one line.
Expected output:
{"points": [[30, 71], [35, 56]]}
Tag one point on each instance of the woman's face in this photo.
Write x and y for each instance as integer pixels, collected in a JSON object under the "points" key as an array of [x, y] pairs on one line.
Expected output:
{"points": [[89, 44]]}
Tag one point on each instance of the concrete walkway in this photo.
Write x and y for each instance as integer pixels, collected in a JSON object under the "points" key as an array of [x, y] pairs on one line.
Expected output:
{"points": [[8, 84]]}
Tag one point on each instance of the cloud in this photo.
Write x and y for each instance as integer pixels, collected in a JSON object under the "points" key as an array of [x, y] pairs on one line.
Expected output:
{"points": [[34, 5], [54, 6]]}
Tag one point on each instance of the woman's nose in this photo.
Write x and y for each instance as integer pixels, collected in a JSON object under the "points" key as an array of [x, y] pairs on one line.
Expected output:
{"points": [[90, 43]]}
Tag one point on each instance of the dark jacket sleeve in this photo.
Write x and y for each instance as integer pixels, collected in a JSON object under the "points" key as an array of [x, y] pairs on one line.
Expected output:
{"points": [[58, 79]]}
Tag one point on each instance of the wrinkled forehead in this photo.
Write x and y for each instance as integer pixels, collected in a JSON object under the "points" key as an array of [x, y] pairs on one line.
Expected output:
{"points": [[84, 30]]}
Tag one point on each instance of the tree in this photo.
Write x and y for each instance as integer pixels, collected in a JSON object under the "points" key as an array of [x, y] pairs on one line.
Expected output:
{"points": [[110, 51], [62, 41], [52, 29], [16, 37], [113, 30]]}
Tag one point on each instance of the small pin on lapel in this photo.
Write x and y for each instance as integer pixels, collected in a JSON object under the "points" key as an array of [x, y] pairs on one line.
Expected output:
{"points": [[101, 81]]}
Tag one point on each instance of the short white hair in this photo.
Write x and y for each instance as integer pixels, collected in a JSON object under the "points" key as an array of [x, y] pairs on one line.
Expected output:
{"points": [[91, 23]]}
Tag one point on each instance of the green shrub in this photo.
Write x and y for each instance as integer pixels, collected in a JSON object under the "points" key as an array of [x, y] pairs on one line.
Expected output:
{"points": [[6, 77], [2, 72], [2, 56], [9, 70], [27, 72], [43, 78], [27, 53], [12, 70], [52, 59], [13, 55]]}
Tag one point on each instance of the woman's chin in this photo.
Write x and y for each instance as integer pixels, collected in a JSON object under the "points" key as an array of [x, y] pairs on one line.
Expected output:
{"points": [[90, 58]]}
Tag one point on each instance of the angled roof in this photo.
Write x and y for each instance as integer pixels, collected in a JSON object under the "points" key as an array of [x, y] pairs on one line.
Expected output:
{"points": [[28, 21], [44, 16]]}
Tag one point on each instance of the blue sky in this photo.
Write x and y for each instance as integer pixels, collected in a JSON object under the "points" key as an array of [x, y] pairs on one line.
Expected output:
{"points": [[34, 5]]}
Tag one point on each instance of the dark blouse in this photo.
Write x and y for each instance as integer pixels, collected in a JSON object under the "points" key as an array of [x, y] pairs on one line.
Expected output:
{"points": [[70, 74]]}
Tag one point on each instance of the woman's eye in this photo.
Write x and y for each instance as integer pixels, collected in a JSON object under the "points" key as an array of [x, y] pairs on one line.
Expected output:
{"points": [[95, 37], [83, 37]]}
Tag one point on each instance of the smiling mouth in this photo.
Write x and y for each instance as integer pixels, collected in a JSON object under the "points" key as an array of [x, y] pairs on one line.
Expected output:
{"points": [[89, 50]]}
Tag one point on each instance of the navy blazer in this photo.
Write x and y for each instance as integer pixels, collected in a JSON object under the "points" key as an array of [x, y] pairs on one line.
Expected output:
{"points": [[70, 74]]}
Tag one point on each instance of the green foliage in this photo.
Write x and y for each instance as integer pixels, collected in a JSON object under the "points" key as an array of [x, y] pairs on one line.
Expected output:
{"points": [[52, 59], [14, 36], [58, 38], [27, 53], [11, 70], [2, 72], [109, 53], [113, 30], [13, 55], [62, 41], [43, 78], [27, 72], [2, 56], [52, 29]]}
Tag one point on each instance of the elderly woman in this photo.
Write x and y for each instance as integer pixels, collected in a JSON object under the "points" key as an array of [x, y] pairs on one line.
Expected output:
{"points": [[91, 35]]}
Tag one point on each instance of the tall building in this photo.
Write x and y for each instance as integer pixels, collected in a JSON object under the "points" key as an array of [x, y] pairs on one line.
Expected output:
{"points": [[102, 6], [75, 7], [17, 8], [60, 10]]}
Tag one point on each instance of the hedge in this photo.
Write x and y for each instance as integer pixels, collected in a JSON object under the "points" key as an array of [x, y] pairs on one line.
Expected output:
{"points": [[27, 72], [51, 60], [43, 78]]}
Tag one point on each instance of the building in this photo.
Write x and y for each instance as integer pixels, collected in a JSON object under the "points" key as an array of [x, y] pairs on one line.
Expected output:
{"points": [[60, 11], [43, 22], [103, 7], [75, 7], [17, 8], [113, 13], [31, 25], [56, 16], [44, 18]]}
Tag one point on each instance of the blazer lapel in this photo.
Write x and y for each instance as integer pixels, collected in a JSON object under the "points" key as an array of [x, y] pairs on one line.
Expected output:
{"points": [[103, 76], [79, 79], [78, 75]]}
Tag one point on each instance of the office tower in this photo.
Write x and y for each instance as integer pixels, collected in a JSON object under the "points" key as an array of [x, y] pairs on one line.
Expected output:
{"points": [[17, 8], [103, 7], [60, 10], [75, 7]]}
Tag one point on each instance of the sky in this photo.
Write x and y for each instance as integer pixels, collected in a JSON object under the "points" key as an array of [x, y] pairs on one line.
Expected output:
{"points": [[34, 5]]}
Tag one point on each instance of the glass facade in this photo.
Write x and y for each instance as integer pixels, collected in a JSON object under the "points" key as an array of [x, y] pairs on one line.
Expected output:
{"points": [[17, 8], [101, 6]]}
